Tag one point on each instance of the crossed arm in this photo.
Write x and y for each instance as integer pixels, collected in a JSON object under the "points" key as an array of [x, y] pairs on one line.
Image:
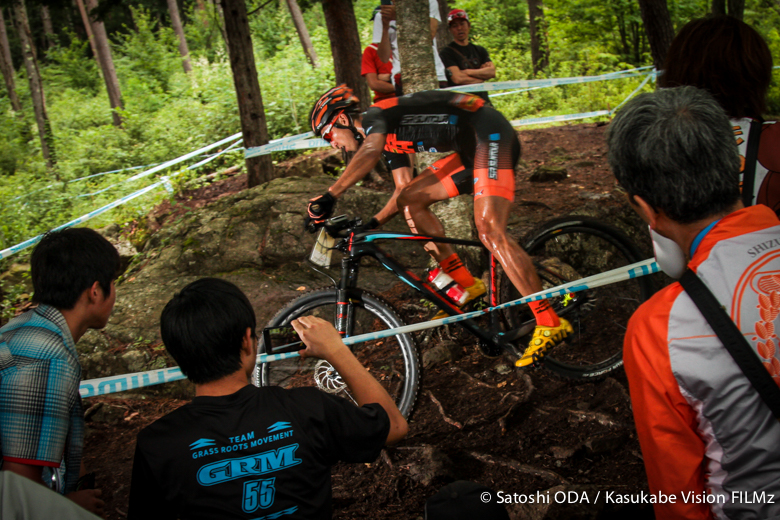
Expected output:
{"points": [[471, 76]]}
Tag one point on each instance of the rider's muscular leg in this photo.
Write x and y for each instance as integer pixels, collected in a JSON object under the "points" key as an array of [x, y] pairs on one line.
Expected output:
{"points": [[401, 177], [414, 202], [490, 215]]}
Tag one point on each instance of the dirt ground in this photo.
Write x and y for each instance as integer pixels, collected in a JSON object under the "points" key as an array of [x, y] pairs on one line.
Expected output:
{"points": [[476, 418]]}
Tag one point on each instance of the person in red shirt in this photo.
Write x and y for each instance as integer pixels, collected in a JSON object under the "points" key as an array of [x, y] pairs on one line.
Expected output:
{"points": [[377, 73]]}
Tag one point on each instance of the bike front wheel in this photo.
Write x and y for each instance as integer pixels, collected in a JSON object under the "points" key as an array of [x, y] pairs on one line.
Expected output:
{"points": [[393, 361], [568, 249]]}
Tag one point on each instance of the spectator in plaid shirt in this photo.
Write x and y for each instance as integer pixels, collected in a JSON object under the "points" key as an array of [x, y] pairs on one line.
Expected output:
{"points": [[41, 418]]}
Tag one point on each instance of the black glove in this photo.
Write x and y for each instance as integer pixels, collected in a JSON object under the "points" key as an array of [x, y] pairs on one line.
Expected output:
{"points": [[373, 223], [319, 210]]}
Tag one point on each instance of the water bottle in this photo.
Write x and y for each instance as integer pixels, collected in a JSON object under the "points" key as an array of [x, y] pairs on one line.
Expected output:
{"points": [[447, 287]]}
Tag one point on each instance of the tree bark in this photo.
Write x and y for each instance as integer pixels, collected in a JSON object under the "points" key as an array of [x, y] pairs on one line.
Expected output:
{"points": [[540, 55], [443, 34], [48, 29], [303, 33], [250, 100], [736, 8], [106, 64], [179, 30], [718, 7], [345, 46], [7, 67], [88, 28], [658, 25], [36, 87], [414, 46]]}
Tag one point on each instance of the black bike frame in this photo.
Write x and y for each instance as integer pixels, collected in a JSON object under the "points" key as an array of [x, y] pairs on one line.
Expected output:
{"points": [[362, 244]]}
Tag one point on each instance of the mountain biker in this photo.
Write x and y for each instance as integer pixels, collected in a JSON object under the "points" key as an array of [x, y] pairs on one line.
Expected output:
{"points": [[486, 150]]}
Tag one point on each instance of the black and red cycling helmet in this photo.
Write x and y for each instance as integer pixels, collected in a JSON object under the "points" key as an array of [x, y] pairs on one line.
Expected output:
{"points": [[330, 105]]}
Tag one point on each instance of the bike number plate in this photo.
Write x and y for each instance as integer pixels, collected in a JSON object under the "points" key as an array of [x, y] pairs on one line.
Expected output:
{"points": [[322, 252]]}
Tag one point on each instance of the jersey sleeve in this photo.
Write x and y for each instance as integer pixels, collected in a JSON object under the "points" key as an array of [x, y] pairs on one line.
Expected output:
{"points": [[373, 121], [433, 10], [448, 57], [666, 424], [377, 36], [147, 501], [484, 57], [35, 411], [357, 434], [367, 64]]}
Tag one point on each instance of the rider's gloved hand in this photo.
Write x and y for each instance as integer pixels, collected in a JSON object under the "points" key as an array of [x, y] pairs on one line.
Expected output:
{"points": [[373, 223], [319, 210]]}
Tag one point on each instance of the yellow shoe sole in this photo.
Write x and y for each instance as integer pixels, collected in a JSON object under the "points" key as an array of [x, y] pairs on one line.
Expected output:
{"points": [[543, 340]]}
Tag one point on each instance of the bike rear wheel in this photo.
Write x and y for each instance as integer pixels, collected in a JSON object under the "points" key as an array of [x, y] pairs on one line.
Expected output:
{"points": [[567, 249], [393, 361]]}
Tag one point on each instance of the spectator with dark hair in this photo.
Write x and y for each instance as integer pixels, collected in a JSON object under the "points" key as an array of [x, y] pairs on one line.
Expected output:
{"points": [[729, 59], [41, 418], [703, 428], [466, 63], [238, 451]]}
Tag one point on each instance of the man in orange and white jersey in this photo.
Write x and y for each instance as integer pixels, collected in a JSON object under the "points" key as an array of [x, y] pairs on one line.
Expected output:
{"points": [[707, 437]]}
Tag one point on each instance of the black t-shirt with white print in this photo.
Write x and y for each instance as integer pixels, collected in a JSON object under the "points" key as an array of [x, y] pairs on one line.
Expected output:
{"points": [[259, 453]]}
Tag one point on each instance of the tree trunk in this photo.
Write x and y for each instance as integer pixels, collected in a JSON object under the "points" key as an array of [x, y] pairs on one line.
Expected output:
{"points": [[345, 46], [36, 87], [718, 7], [88, 28], [179, 30], [303, 33], [443, 35], [414, 46], [736, 8], [48, 29], [540, 55], [7, 66], [658, 25], [250, 100], [106, 64]]}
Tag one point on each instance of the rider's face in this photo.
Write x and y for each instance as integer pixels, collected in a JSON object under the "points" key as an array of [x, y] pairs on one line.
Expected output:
{"points": [[343, 138]]}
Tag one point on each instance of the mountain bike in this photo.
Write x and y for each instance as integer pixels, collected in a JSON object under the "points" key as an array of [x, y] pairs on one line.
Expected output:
{"points": [[562, 250]]}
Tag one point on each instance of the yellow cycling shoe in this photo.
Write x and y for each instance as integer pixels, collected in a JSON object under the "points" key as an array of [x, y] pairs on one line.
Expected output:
{"points": [[543, 340], [475, 291]]}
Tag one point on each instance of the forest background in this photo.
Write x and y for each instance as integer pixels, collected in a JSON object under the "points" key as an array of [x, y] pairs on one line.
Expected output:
{"points": [[167, 112]]}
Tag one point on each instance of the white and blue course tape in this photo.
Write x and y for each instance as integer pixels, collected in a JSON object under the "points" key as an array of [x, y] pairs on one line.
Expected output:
{"points": [[122, 383]]}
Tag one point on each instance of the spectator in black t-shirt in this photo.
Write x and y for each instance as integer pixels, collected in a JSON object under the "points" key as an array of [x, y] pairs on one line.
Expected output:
{"points": [[238, 451], [465, 62]]}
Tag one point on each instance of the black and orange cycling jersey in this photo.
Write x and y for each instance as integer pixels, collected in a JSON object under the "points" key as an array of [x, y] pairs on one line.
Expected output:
{"points": [[440, 121]]}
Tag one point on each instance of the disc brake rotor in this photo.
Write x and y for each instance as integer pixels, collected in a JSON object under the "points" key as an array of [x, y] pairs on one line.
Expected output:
{"points": [[327, 378]]}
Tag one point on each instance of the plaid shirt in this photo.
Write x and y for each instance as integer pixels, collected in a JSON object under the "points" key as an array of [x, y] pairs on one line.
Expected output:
{"points": [[41, 419]]}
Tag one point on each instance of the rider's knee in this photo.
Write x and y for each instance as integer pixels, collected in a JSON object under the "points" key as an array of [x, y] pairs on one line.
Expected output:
{"points": [[405, 197], [490, 234]]}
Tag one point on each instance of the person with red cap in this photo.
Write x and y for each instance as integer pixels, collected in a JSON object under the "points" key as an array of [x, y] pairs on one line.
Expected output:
{"points": [[465, 62]]}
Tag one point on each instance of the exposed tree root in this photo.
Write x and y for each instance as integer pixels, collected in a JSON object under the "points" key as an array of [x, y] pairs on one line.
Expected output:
{"points": [[522, 468], [441, 411]]}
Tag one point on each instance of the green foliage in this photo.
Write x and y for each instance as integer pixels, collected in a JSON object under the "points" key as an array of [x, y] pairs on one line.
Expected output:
{"points": [[169, 113], [71, 66], [147, 56]]}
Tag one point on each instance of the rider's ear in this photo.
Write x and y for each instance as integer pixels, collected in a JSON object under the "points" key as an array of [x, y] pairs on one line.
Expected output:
{"points": [[343, 119]]}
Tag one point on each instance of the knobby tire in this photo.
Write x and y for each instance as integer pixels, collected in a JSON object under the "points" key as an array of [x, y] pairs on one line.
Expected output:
{"points": [[567, 249], [393, 361]]}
